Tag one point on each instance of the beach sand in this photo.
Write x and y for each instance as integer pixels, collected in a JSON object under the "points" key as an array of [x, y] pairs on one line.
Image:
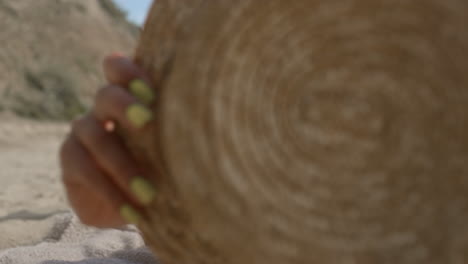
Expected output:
{"points": [[30, 186]]}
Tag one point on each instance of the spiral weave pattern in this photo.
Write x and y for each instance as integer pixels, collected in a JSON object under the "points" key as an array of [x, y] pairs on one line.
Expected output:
{"points": [[308, 131]]}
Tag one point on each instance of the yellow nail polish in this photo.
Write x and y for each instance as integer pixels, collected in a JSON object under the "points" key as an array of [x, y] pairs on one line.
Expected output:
{"points": [[129, 214], [139, 115], [141, 91], [143, 190]]}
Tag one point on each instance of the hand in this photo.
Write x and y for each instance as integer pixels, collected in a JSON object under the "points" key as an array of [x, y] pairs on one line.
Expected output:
{"points": [[104, 184]]}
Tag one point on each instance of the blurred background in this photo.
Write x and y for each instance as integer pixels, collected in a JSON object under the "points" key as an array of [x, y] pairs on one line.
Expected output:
{"points": [[50, 57]]}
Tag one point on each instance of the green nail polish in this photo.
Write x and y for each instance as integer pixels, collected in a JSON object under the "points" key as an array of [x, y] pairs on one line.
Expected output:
{"points": [[139, 115], [141, 91], [143, 190], [129, 214]]}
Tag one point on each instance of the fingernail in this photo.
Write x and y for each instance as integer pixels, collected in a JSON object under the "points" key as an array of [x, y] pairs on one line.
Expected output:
{"points": [[139, 115], [141, 91], [129, 214], [109, 126], [143, 190]]}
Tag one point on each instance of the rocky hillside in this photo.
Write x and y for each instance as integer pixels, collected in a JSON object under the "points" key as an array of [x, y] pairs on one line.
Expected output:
{"points": [[51, 51]]}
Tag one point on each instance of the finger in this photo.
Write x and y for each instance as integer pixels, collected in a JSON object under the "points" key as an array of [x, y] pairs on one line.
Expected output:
{"points": [[120, 70], [114, 103], [95, 199], [112, 156]]}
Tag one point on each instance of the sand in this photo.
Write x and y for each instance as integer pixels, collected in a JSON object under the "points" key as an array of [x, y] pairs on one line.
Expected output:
{"points": [[30, 186]]}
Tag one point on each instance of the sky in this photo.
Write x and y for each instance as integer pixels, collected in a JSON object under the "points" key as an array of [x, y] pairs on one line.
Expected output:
{"points": [[136, 9]]}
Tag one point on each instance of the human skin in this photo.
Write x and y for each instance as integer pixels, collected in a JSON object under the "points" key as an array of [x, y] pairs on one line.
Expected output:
{"points": [[105, 185]]}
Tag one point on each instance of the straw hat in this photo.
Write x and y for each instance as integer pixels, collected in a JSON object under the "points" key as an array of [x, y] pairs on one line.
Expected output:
{"points": [[308, 131]]}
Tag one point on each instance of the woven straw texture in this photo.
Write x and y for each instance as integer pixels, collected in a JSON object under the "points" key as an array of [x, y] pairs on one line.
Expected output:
{"points": [[305, 131]]}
